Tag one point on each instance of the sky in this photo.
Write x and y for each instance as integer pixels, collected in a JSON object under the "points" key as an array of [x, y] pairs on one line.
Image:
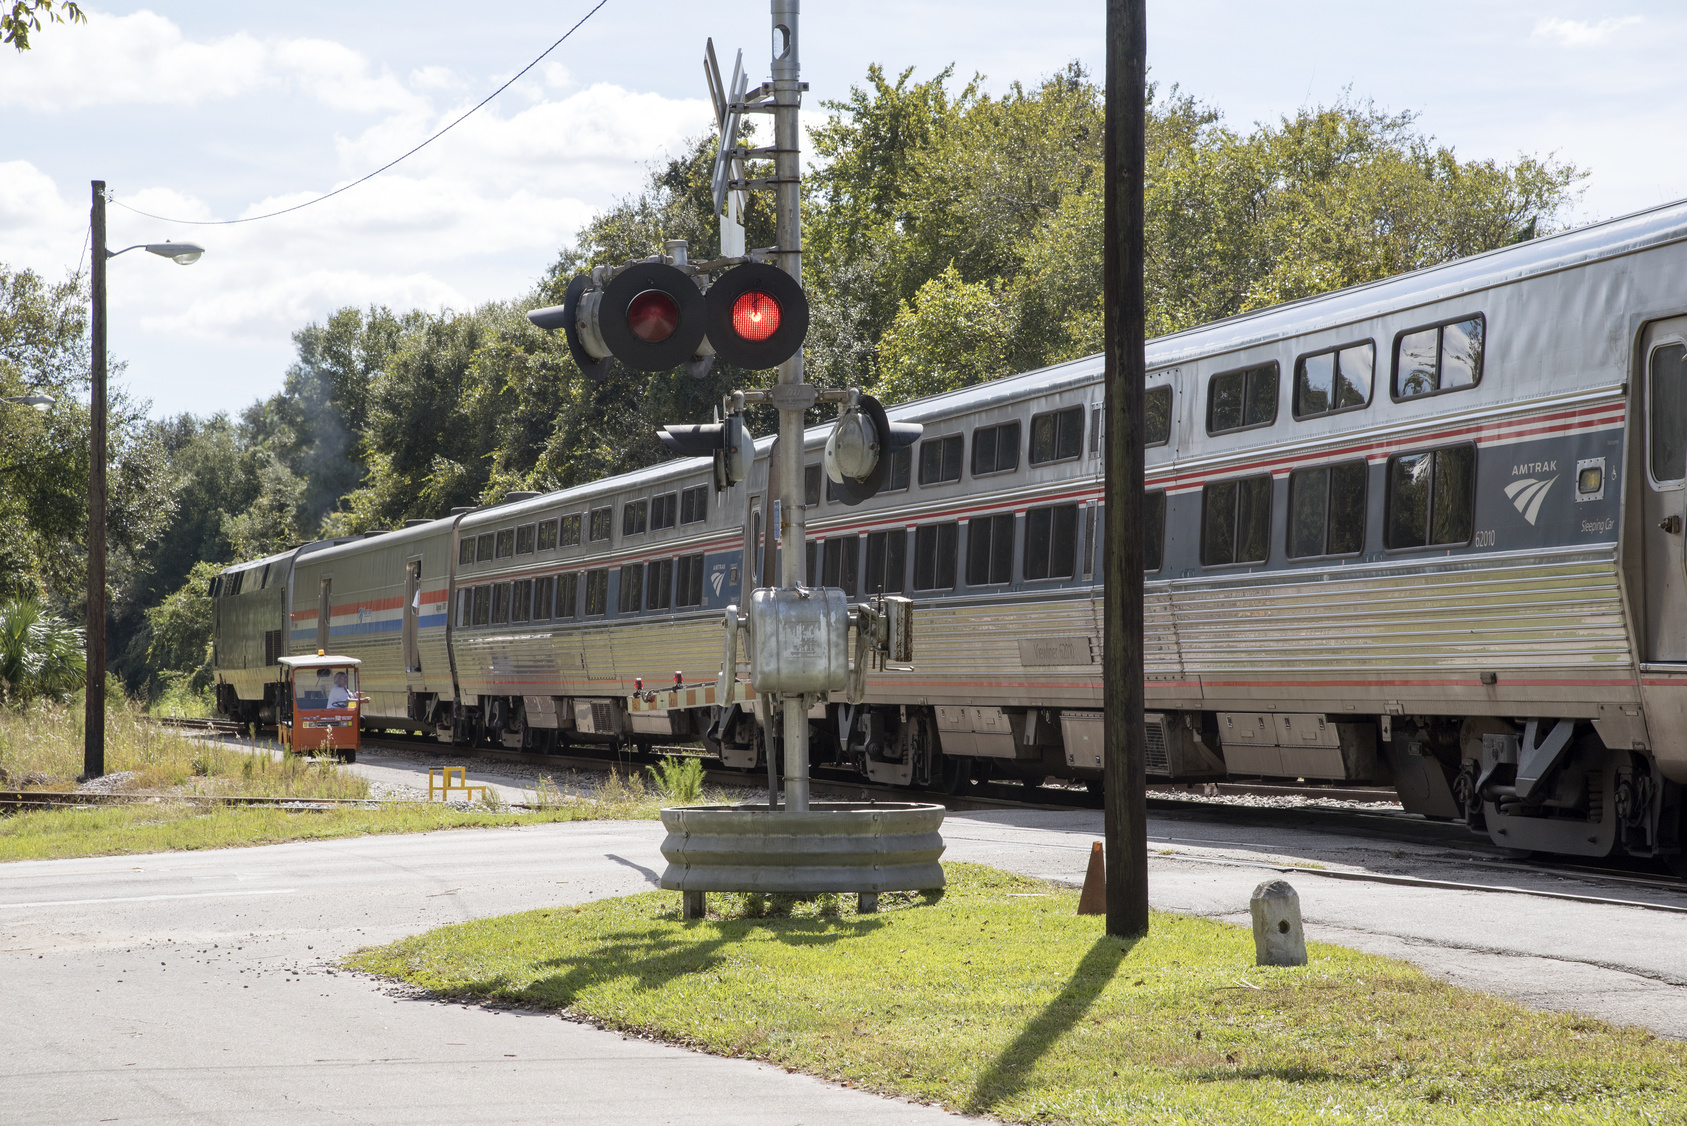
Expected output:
{"points": [[218, 110]]}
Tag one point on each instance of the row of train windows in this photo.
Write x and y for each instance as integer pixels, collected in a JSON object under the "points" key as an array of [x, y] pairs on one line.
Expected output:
{"points": [[1430, 501], [689, 506], [878, 562], [660, 584], [1427, 361], [1056, 436]]}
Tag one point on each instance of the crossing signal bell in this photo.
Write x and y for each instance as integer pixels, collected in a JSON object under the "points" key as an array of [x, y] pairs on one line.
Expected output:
{"points": [[651, 317], [858, 450], [730, 444]]}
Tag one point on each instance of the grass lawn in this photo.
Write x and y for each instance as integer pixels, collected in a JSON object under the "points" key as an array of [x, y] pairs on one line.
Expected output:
{"points": [[170, 826], [997, 999]]}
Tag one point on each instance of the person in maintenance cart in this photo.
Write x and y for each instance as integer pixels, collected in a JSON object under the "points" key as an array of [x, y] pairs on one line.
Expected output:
{"points": [[339, 696]]}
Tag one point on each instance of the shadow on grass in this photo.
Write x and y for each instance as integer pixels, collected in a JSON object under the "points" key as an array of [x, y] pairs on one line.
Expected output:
{"points": [[650, 962], [1007, 1074]]}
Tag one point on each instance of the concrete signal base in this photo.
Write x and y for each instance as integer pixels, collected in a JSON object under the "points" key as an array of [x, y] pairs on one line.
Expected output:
{"points": [[860, 847]]}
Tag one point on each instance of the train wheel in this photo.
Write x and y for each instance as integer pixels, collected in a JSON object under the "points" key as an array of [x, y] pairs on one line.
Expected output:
{"points": [[952, 775]]}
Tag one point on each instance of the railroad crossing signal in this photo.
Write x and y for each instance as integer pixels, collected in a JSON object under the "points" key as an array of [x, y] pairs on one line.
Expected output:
{"points": [[730, 444], [859, 448], [651, 316]]}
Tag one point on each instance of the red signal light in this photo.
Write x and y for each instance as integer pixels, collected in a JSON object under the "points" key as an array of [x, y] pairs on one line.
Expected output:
{"points": [[652, 316], [755, 315]]}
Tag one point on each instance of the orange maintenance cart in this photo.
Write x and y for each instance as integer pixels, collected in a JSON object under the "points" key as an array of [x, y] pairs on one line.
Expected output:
{"points": [[319, 705]]}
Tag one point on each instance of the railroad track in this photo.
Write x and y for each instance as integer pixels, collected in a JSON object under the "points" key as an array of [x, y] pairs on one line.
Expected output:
{"points": [[207, 726]]}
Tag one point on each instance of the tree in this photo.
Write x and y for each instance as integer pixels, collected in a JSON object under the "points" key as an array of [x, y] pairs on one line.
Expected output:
{"points": [[25, 17], [40, 654], [180, 629]]}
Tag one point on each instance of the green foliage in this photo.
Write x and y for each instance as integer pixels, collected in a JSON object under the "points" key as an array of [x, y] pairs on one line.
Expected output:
{"points": [[44, 454], [679, 779], [25, 17], [999, 1000], [40, 655], [181, 629]]}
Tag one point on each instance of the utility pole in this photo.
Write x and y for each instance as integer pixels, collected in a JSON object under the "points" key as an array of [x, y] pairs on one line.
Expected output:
{"points": [[787, 101], [1126, 816], [93, 714]]}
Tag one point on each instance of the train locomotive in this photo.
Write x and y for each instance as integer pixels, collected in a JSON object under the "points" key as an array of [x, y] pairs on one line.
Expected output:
{"points": [[1424, 532]]}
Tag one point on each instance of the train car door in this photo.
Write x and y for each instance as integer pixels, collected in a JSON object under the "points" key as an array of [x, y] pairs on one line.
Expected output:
{"points": [[411, 618], [1663, 357]]}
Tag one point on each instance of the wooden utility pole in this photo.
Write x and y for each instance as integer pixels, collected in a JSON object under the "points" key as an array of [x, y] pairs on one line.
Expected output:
{"points": [[93, 713], [1126, 817]]}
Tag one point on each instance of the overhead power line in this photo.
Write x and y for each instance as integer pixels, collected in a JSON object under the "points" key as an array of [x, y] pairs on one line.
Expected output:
{"points": [[389, 164]]}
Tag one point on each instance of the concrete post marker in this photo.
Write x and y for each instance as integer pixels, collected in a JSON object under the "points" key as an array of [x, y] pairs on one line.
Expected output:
{"points": [[1278, 939]]}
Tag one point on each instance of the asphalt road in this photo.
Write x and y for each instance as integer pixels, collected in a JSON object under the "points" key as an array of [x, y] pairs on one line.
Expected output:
{"points": [[200, 987]]}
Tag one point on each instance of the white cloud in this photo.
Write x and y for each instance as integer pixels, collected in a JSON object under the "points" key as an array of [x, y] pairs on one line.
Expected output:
{"points": [[1580, 33], [144, 59]]}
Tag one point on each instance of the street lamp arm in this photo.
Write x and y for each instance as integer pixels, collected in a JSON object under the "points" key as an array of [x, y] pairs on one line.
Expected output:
{"points": [[183, 253]]}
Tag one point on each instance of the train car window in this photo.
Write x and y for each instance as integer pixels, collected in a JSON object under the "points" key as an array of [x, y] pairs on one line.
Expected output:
{"points": [[1095, 431], [465, 552], [482, 605], [811, 576], [1237, 400], [544, 595], [1157, 415], [483, 548], [1153, 530], [842, 567], [568, 531], [935, 548], [810, 486], [634, 515], [990, 550], [1338, 379], [506, 544], [521, 600], [568, 595], [940, 460], [547, 535], [501, 604], [694, 504], [602, 523], [659, 584], [1327, 510], [1236, 522], [887, 561], [597, 592], [525, 539], [1667, 378], [1431, 497], [235, 589], [1437, 358], [465, 599], [632, 588], [688, 587], [1056, 436], [663, 509], [995, 449], [898, 471], [1051, 542]]}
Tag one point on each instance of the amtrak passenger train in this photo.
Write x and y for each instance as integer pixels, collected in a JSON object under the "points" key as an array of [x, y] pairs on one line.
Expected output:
{"points": [[1425, 531]]}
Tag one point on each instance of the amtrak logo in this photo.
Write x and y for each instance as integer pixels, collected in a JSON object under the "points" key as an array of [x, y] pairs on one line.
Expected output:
{"points": [[1526, 495], [716, 580]]}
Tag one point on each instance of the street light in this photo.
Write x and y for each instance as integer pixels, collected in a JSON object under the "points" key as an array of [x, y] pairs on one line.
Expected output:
{"points": [[39, 402], [184, 253]]}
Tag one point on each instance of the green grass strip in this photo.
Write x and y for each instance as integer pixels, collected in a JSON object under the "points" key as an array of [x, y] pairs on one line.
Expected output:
{"points": [[171, 826], [996, 998]]}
